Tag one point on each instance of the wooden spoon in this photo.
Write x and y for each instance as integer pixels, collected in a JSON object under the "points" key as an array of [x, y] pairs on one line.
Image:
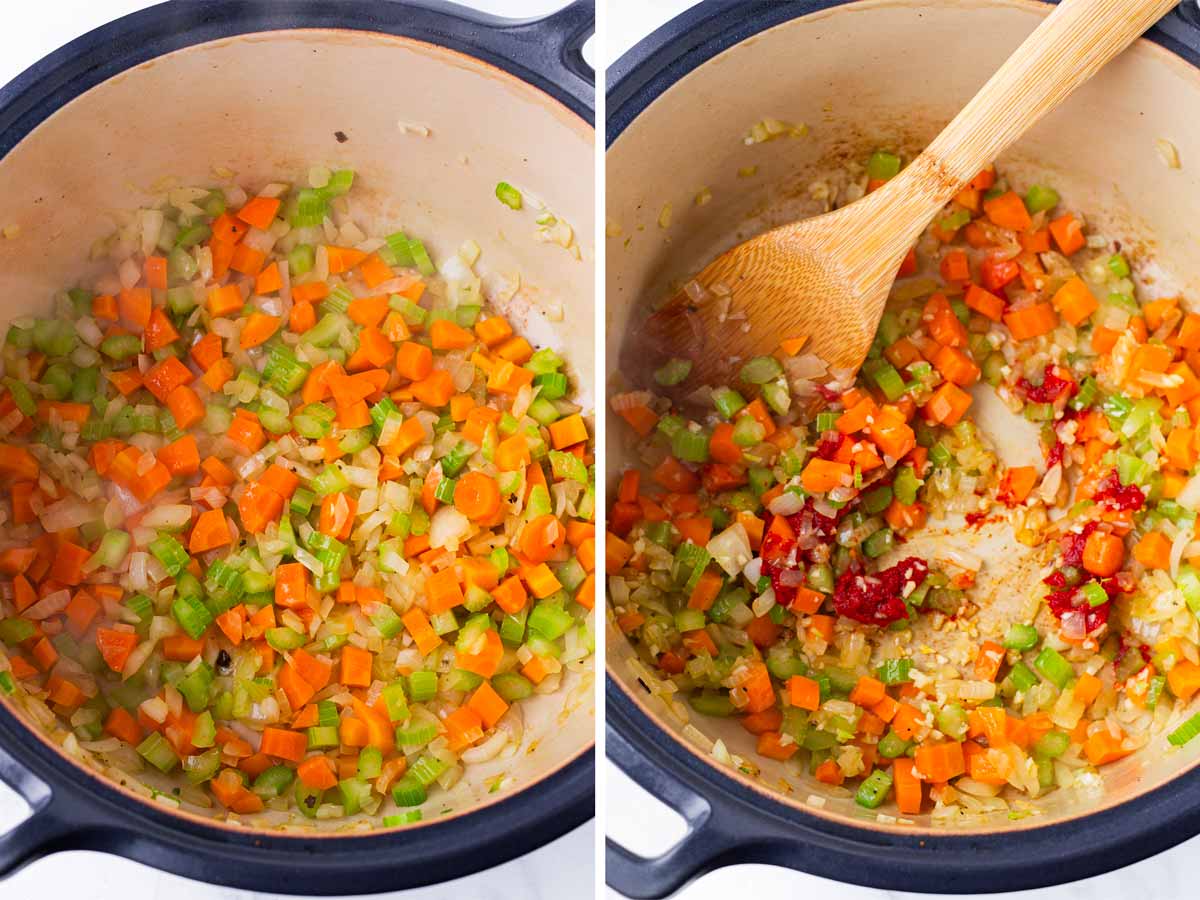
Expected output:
{"points": [[828, 277]]}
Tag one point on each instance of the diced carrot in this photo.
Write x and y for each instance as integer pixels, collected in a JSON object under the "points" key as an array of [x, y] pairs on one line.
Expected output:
{"points": [[135, 305], [484, 658], [269, 280], [317, 773], [909, 788], [755, 680], [947, 405], [1087, 688], [1102, 747], [104, 306], [210, 531], [822, 475], [258, 507], [186, 406], [640, 418], [489, 705], [769, 719], [770, 745], [1031, 321], [1016, 484], [907, 721], [903, 516], [1067, 232], [943, 325], [1184, 679], [435, 389], [356, 666], [414, 361], [375, 271], [159, 331], [804, 693], [442, 591], [291, 585], [1103, 553], [115, 647], [343, 259], [284, 744], [258, 330], [123, 726], [447, 335], [282, 481], [68, 563], [508, 378], [246, 431], [984, 302], [954, 266], [1153, 551], [988, 660], [829, 772], [79, 612], [940, 762], [182, 648], [312, 292], [1008, 211], [247, 260], [225, 300], [857, 417], [259, 212], [1074, 301], [675, 477], [162, 378], [567, 431], [955, 366], [181, 456], [868, 691]]}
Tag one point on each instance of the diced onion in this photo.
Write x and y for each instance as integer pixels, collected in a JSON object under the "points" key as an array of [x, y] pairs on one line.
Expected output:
{"points": [[1189, 497], [731, 548], [786, 504], [448, 528], [50, 605], [175, 515]]}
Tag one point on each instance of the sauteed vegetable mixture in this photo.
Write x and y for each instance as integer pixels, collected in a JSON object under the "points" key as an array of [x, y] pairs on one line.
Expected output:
{"points": [[758, 559], [288, 511]]}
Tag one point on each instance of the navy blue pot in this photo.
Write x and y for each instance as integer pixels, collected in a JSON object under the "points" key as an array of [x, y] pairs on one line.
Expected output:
{"points": [[728, 822], [74, 809]]}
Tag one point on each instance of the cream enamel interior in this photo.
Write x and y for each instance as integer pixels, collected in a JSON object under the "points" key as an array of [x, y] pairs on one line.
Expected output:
{"points": [[865, 75], [267, 106]]}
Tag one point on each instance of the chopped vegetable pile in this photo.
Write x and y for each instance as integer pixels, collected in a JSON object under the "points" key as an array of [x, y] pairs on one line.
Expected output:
{"points": [[288, 513], [757, 558]]}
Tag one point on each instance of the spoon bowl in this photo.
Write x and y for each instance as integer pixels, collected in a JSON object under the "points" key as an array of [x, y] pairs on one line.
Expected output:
{"points": [[827, 279]]}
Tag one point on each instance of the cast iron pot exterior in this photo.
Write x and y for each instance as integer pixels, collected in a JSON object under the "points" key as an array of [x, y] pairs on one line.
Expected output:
{"points": [[729, 823], [74, 809]]}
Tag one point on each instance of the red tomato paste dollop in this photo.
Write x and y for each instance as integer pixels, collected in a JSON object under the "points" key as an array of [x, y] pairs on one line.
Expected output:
{"points": [[878, 599], [1050, 389], [1064, 598], [1115, 495], [781, 554]]}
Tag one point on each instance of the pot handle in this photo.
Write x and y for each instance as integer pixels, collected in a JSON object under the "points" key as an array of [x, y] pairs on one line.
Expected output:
{"points": [[49, 823], [709, 843], [557, 40], [1182, 24]]}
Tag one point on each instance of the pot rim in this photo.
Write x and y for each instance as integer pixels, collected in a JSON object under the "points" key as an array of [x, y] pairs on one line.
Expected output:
{"points": [[737, 820], [74, 806]]}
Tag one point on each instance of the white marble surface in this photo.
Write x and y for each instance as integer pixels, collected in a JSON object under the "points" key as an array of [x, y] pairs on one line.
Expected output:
{"points": [[561, 870], [644, 825]]}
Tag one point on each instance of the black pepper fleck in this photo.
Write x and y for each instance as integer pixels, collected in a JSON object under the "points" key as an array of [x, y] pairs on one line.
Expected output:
{"points": [[341, 137]]}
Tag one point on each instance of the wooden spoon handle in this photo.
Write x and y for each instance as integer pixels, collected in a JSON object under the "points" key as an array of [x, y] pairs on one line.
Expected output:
{"points": [[1067, 49]]}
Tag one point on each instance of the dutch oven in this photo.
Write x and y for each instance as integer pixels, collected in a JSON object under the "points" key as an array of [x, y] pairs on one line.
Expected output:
{"points": [[862, 76]]}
